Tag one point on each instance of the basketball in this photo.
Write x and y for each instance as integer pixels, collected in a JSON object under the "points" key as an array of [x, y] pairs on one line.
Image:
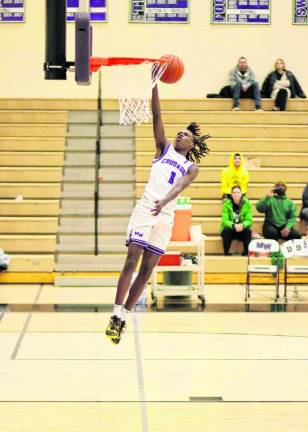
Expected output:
{"points": [[174, 70]]}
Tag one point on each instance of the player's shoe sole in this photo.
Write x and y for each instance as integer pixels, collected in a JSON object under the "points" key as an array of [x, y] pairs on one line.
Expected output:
{"points": [[113, 327], [116, 339]]}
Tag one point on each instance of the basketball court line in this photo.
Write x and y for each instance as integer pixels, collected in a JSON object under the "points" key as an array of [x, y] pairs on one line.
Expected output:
{"points": [[210, 308], [202, 399], [70, 349], [21, 337], [171, 333], [75, 359], [140, 377], [25, 326], [161, 359]]}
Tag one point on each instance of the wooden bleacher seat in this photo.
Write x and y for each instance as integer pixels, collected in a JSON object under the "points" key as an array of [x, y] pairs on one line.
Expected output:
{"points": [[31, 158]]}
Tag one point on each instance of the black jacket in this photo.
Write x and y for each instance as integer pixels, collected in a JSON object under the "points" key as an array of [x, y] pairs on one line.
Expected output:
{"points": [[304, 200], [269, 82]]}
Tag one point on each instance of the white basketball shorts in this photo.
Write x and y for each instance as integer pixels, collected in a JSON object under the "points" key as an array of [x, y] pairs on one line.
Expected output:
{"points": [[151, 232]]}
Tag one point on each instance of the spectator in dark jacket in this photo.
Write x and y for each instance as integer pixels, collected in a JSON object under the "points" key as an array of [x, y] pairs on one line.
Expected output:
{"points": [[280, 85], [304, 210]]}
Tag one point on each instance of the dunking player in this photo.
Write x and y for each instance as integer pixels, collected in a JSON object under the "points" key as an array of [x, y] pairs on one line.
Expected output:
{"points": [[150, 225]]}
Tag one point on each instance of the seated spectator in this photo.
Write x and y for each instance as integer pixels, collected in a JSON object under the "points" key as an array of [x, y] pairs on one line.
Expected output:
{"points": [[234, 174], [280, 214], [236, 220], [304, 209], [280, 85], [244, 85]]}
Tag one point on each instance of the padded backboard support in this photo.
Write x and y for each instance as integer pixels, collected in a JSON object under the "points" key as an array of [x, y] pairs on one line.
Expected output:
{"points": [[55, 65], [83, 48]]}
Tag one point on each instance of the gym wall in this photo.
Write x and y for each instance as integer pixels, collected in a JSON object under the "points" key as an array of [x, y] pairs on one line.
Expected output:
{"points": [[208, 51]]}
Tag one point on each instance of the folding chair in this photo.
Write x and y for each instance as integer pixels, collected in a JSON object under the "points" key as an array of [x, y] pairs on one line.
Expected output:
{"points": [[262, 247], [293, 249]]}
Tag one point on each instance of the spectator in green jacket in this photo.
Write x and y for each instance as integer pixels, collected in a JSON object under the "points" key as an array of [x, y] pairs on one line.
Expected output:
{"points": [[280, 214], [236, 220]]}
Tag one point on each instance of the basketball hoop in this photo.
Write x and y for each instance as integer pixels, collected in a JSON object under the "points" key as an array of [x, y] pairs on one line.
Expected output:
{"points": [[135, 78]]}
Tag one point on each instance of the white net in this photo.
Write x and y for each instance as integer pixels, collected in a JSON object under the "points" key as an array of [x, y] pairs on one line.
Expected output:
{"points": [[135, 83]]}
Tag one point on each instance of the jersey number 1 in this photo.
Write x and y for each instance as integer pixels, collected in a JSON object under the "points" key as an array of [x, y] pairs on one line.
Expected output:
{"points": [[172, 177]]}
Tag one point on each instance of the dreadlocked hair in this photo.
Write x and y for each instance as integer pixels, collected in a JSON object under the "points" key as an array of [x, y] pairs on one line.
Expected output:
{"points": [[200, 148]]}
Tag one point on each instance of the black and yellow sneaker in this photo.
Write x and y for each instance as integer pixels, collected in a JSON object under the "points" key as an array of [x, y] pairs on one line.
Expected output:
{"points": [[116, 339], [114, 326]]}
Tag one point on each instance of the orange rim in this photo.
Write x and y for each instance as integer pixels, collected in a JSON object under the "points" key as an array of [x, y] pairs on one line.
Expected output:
{"points": [[97, 62]]}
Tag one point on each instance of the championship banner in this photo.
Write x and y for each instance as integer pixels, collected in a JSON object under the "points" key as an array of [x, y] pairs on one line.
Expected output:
{"points": [[98, 10], [12, 11], [241, 12], [159, 11], [300, 11]]}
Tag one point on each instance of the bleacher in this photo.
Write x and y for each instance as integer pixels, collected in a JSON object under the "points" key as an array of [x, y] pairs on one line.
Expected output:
{"points": [[31, 159], [32, 146]]}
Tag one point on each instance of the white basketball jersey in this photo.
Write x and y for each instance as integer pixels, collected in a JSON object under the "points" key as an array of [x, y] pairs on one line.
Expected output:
{"points": [[166, 171]]}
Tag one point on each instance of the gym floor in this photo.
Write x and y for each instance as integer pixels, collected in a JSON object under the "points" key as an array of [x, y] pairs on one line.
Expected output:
{"points": [[177, 368]]}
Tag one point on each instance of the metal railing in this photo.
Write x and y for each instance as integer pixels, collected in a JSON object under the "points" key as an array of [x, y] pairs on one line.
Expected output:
{"points": [[97, 165]]}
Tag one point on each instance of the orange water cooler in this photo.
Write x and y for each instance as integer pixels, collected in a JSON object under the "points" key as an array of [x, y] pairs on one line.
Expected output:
{"points": [[182, 220]]}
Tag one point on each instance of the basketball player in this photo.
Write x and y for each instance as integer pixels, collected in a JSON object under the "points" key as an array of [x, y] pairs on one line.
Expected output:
{"points": [[150, 225]]}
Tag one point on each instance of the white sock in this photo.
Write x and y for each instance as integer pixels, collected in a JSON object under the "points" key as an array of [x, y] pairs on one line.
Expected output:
{"points": [[124, 312], [117, 310]]}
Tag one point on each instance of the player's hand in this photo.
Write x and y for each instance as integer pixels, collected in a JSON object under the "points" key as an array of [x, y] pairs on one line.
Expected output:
{"points": [[238, 227], [159, 204], [245, 87]]}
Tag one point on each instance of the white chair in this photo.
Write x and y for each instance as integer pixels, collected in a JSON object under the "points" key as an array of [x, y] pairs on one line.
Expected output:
{"points": [[293, 249], [262, 247]]}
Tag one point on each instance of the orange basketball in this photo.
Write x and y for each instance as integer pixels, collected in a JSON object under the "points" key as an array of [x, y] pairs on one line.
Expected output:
{"points": [[174, 69]]}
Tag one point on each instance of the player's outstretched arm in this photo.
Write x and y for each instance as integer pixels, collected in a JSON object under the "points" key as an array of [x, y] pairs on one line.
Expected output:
{"points": [[176, 190], [158, 126]]}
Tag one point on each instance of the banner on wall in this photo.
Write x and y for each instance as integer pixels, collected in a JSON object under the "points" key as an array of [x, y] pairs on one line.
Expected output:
{"points": [[241, 12], [159, 11], [12, 11], [300, 11], [98, 10]]}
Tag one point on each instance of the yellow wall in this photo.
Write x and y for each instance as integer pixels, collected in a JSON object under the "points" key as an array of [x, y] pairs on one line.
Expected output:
{"points": [[208, 51]]}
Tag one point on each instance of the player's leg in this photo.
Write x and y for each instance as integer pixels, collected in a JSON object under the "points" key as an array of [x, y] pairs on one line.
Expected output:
{"points": [[158, 240], [149, 261], [132, 258], [138, 230], [155, 241]]}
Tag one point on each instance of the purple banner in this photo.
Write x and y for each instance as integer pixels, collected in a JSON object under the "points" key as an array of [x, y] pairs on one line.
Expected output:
{"points": [[241, 12], [300, 11], [12, 11], [98, 10], [156, 11]]}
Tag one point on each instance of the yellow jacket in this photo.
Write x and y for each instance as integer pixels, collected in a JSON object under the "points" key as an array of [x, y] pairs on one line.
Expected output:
{"points": [[232, 176]]}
